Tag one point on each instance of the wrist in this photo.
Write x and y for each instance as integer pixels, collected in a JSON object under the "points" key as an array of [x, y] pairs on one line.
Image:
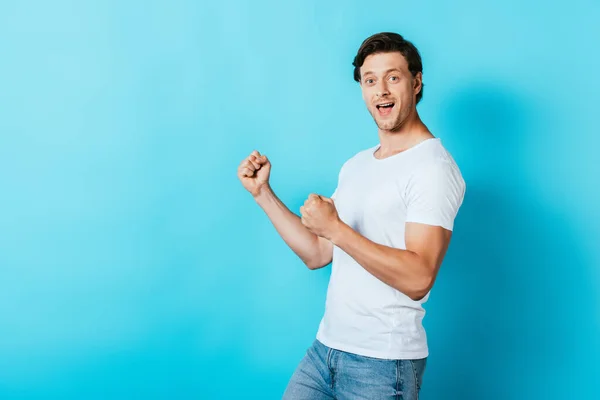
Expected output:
{"points": [[263, 192], [337, 231]]}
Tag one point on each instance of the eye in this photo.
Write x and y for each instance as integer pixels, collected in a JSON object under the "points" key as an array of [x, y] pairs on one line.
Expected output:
{"points": [[394, 78], [369, 81]]}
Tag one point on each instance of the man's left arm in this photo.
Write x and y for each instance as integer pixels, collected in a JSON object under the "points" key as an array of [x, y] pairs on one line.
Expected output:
{"points": [[434, 196], [411, 271]]}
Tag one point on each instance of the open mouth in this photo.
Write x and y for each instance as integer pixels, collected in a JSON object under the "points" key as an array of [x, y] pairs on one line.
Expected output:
{"points": [[385, 108]]}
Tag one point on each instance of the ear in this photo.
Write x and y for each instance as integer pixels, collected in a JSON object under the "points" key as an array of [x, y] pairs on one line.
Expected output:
{"points": [[418, 82]]}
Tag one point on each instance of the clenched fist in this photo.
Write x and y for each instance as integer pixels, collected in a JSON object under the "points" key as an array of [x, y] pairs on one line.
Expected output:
{"points": [[319, 215], [254, 172]]}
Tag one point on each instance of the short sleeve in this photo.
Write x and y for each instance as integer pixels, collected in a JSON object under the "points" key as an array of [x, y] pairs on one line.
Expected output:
{"points": [[334, 194], [434, 195]]}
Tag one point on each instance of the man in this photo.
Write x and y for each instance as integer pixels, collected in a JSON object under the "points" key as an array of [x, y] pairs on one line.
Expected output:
{"points": [[386, 228]]}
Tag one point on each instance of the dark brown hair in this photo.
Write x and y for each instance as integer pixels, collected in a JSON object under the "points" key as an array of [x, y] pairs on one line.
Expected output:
{"points": [[388, 42]]}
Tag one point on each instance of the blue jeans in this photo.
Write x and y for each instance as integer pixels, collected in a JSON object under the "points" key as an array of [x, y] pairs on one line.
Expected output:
{"points": [[326, 373]]}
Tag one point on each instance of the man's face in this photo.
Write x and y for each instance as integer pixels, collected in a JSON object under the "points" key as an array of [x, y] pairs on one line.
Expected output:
{"points": [[389, 89]]}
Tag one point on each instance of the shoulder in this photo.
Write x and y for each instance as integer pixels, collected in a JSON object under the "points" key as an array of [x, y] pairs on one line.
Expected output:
{"points": [[358, 158], [435, 157], [435, 166]]}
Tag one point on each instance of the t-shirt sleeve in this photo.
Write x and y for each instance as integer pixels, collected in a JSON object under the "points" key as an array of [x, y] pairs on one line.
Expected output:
{"points": [[435, 194], [333, 196]]}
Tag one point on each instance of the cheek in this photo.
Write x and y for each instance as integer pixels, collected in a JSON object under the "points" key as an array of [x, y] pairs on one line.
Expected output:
{"points": [[403, 96], [367, 96]]}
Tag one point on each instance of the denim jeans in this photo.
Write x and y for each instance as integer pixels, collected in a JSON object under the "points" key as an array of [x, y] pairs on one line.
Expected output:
{"points": [[326, 373]]}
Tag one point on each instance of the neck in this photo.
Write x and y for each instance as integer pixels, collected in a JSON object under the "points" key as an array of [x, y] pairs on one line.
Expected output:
{"points": [[411, 132]]}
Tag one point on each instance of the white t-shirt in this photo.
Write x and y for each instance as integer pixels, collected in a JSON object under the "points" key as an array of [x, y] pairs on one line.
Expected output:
{"points": [[376, 198]]}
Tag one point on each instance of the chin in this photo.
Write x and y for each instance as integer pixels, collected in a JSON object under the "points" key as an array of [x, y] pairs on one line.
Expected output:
{"points": [[386, 125]]}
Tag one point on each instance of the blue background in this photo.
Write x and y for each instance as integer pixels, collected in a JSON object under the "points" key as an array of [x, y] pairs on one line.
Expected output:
{"points": [[134, 265]]}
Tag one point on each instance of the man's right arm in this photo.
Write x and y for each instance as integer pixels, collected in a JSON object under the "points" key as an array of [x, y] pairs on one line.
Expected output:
{"points": [[316, 252]]}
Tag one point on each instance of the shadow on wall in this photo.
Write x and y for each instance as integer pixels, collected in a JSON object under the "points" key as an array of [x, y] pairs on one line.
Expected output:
{"points": [[507, 310]]}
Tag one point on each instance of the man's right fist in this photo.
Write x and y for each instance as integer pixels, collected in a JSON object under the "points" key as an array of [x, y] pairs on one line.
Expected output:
{"points": [[254, 172]]}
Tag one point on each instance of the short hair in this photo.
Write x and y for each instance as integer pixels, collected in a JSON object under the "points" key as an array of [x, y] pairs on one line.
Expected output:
{"points": [[389, 42]]}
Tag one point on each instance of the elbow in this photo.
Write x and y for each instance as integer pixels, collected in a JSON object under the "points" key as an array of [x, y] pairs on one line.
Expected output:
{"points": [[316, 264], [420, 289], [313, 265], [418, 295]]}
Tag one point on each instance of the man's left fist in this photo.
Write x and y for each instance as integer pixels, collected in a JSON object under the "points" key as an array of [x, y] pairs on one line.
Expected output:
{"points": [[319, 215]]}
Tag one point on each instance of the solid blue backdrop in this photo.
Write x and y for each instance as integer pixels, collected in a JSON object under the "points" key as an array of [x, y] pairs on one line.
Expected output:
{"points": [[134, 265]]}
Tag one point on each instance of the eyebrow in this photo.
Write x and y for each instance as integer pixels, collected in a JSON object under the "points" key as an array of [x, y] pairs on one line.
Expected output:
{"points": [[388, 71]]}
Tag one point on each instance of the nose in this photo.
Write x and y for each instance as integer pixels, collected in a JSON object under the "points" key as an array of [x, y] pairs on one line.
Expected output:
{"points": [[382, 89]]}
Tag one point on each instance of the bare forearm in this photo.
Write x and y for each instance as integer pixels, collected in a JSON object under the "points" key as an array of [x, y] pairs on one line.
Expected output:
{"points": [[403, 270], [304, 243]]}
